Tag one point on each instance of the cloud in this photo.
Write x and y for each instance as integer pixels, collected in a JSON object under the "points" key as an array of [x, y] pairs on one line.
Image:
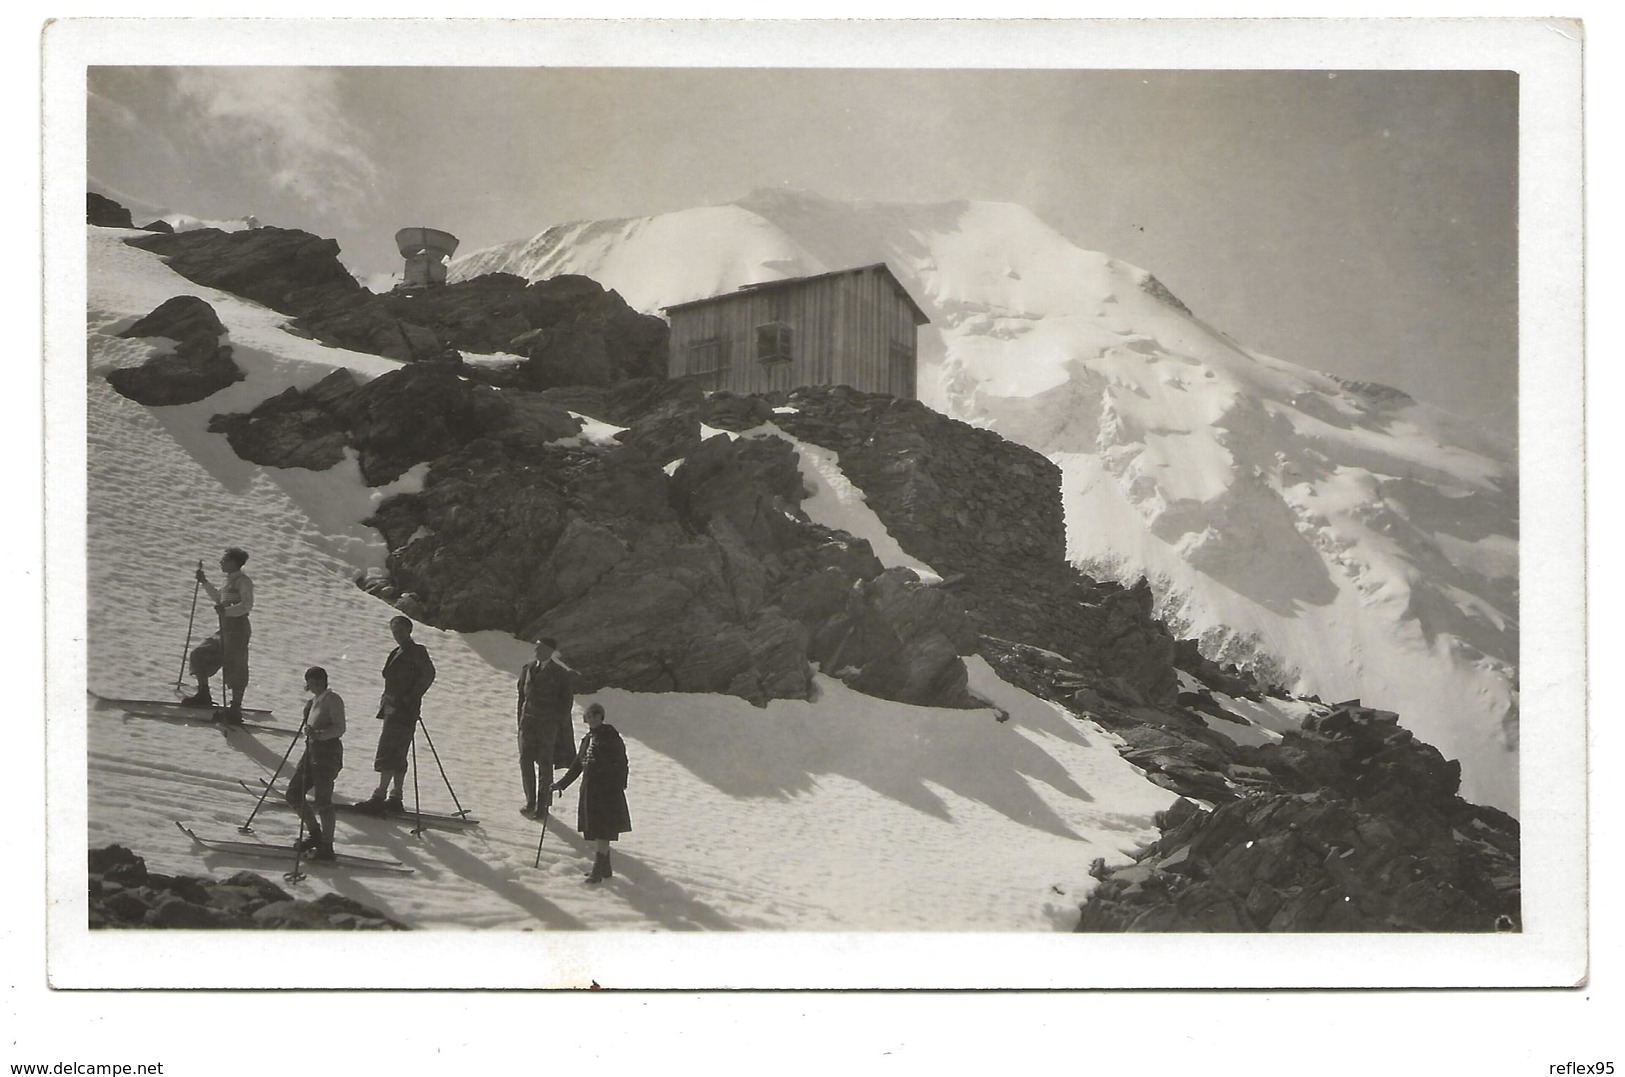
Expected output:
{"points": [[291, 121]]}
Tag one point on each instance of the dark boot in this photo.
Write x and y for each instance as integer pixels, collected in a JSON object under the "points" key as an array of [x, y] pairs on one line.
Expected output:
{"points": [[325, 820], [373, 805], [310, 843], [600, 869], [393, 805], [200, 698], [528, 779]]}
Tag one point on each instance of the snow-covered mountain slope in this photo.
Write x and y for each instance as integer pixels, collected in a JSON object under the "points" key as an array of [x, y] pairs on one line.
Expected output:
{"points": [[1343, 538], [847, 813]]}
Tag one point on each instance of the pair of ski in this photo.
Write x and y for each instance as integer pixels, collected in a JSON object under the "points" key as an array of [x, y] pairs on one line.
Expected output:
{"points": [[287, 852], [351, 860], [187, 714], [429, 819]]}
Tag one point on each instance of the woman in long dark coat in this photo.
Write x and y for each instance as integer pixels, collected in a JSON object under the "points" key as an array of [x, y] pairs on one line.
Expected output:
{"points": [[601, 813]]}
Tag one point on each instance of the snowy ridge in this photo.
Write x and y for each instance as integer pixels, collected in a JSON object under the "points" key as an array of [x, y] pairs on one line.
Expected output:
{"points": [[1341, 537], [743, 817]]}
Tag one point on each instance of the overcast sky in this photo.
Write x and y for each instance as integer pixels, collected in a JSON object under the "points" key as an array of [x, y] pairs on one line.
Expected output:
{"points": [[1363, 223]]}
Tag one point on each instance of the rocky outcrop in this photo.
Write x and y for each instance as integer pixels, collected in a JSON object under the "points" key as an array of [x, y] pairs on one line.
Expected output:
{"points": [[300, 275], [565, 331], [399, 419], [986, 514], [1351, 825], [105, 213], [200, 366], [707, 580], [123, 893], [282, 268], [904, 641]]}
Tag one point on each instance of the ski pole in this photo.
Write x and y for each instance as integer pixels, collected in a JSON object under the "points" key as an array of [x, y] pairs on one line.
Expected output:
{"points": [[417, 805], [430, 741], [543, 838], [247, 827], [191, 617], [298, 847]]}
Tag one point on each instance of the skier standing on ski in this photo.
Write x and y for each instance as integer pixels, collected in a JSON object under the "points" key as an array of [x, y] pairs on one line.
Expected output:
{"points": [[408, 673], [233, 601], [320, 765], [205, 662], [545, 736], [601, 813]]}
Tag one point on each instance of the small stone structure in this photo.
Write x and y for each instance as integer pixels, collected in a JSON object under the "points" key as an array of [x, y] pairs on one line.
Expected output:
{"points": [[426, 251]]}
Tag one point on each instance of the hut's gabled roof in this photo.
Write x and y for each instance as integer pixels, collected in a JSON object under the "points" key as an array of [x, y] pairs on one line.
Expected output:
{"points": [[920, 317]]}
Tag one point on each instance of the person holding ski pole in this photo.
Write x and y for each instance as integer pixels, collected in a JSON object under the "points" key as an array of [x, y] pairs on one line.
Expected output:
{"points": [[545, 736], [601, 813], [320, 765], [233, 601], [408, 673]]}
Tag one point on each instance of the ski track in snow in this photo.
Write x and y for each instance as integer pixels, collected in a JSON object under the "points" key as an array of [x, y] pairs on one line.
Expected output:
{"points": [[846, 813]]}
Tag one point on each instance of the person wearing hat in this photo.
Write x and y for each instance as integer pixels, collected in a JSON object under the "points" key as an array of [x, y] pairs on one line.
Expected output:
{"points": [[545, 736], [601, 813]]}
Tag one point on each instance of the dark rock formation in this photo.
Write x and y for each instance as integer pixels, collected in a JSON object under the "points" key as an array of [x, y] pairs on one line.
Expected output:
{"points": [[399, 419], [283, 268], [199, 367], [986, 513], [300, 275], [1356, 826], [160, 225], [564, 331], [586, 335], [904, 639], [707, 580], [105, 213], [123, 893]]}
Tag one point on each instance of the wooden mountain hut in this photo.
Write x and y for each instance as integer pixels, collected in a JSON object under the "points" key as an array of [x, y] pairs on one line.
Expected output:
{"points": [[856, 327]]}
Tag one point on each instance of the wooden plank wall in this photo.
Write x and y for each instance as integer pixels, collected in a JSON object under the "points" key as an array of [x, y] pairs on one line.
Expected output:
{"points": [[843, 327]]}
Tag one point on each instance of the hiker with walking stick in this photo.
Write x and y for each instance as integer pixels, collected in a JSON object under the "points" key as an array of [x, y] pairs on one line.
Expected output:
{"points": [[233, 601], [545, 737], [408, 673], [320, 765], [601, 813]]}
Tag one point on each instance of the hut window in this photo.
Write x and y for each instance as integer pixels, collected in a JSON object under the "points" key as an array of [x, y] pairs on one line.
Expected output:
{"points": [[708, 360], [773, 343]]}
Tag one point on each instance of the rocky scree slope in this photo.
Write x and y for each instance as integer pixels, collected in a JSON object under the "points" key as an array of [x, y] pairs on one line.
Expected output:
{"points": [[1352, 825]]}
